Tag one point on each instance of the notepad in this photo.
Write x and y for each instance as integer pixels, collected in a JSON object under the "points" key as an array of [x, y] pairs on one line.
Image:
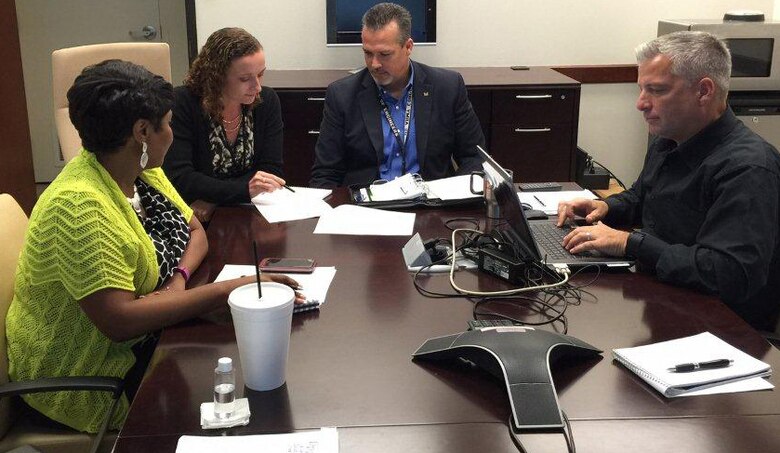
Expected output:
{"points": [[548, 201], [652, 362]]}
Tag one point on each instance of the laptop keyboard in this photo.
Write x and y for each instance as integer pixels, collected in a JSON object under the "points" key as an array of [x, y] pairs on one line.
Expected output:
{"points": [[549, 237]]}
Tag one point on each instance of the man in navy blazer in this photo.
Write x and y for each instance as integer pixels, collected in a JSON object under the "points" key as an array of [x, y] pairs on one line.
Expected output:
{"points": [[396, 116]]}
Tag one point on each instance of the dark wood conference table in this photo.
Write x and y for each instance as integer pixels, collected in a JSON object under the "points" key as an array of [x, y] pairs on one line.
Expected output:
{"points": [[350, 362]]}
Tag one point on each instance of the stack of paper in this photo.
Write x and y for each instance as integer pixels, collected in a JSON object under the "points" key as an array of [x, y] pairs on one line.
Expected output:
{"points": [[655, 363], [315, 285], [284, 205]]}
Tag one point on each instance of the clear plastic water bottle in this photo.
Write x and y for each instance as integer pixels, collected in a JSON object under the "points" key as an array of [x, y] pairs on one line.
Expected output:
{"points": [[224, 388]]}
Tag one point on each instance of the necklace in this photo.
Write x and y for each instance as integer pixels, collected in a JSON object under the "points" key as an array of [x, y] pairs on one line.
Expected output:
{"points": [[135, 202], [240, 113], [232, 129]]}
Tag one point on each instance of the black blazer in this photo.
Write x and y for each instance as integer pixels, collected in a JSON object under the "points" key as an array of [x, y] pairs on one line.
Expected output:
{"points": [[350, 145], [188, 163]]}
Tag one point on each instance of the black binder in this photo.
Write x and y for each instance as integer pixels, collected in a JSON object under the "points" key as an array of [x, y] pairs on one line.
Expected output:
{"points": [[415, 193], [419, 202]]}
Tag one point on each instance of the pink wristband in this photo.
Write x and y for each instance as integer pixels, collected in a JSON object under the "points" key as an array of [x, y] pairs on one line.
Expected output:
{"points": [[183, 271]]}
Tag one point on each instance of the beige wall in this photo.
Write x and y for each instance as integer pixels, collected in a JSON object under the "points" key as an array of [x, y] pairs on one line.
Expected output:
{"points": [[46, 25], [497, 33]]}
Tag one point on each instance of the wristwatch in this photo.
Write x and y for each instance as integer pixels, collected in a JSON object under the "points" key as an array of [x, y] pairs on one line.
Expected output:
{"points": [[183, 271]]}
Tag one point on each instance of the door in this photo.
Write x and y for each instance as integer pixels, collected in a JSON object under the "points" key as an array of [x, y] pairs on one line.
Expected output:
{"points": [[47, 25]]}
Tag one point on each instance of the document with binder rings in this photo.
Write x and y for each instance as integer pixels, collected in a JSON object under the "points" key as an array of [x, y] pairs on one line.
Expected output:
{"points": [[410, 190]]}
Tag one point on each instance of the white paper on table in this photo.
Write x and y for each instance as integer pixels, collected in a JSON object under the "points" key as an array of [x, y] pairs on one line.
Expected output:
{"points": [[359, 220], [315, 285], [745, 385], [454, 188], [283, 205], [548, 201], [324, 440], [282, 194]]}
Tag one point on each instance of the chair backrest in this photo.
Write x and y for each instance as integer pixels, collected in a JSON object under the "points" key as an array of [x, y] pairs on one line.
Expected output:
{"points": [[13, 225], [67, 64]]}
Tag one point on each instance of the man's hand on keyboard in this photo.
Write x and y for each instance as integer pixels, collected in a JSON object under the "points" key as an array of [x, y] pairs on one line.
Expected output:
{"points": [[592, 210], [598, 237]]}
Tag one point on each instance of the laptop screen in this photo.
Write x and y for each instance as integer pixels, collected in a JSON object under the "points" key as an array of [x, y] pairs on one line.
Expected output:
{"points": [[516, 226]]}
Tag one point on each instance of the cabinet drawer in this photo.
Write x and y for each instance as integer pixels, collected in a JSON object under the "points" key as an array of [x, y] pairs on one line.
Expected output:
{"points": [[298, 156], [523, 106], [480, 101], [302, 109], [536, 155]]}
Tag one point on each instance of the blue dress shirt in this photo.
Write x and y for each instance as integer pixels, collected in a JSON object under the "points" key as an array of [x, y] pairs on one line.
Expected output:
{"points": [[391, 166]]}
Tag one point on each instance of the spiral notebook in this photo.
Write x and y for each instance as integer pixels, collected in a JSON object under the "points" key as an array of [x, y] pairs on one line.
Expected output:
{"points": [[652, 362]]}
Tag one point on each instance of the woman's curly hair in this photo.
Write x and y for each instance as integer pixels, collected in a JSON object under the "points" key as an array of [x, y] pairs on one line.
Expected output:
{"points": [[206, 77]]}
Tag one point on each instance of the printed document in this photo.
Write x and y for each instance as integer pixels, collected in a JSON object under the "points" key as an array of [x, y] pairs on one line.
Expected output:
{"points": [[325, 440]]}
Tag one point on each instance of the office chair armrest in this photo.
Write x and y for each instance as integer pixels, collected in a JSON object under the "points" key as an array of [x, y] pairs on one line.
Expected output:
{"points": [[74, 383]]}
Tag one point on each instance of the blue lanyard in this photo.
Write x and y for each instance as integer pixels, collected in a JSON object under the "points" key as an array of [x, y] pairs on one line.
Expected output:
{"points": [[396, 133]]}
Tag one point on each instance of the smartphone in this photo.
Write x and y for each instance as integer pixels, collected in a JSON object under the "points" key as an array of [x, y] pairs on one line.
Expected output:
{"points": [[292, 265]]}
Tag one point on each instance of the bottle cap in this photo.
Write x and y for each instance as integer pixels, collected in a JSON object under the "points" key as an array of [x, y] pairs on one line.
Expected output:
{"points": [[225, 364]]}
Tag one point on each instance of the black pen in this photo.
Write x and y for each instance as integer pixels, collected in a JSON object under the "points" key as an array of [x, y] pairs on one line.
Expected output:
{"points": [[710, 365], [288, 188], [540, 201]]}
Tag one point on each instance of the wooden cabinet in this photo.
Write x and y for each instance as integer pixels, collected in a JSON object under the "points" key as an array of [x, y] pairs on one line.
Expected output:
{"points": [[533, 132], [529, 118], [301, 114]]}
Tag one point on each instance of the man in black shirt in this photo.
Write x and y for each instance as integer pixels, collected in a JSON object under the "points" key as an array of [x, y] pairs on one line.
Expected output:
{"points": [[708, 196]]}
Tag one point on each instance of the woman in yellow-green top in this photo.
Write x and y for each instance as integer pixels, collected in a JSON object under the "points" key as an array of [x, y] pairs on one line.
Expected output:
{"points": [[108, 251]]}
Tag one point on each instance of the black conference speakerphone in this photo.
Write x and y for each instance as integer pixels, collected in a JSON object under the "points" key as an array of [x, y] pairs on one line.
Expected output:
{"points": [[521, 357]]}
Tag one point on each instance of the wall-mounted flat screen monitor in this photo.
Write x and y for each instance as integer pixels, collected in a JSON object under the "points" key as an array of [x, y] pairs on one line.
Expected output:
{"points": [[344, 20]]}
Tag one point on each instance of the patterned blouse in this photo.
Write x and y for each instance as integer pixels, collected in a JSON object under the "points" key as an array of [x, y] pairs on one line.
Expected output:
{"points": [[233, 160], [166, 226]]}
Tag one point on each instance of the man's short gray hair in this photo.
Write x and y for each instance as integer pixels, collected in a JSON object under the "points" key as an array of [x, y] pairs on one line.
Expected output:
{"points": [[694, 55], [381, 14]]}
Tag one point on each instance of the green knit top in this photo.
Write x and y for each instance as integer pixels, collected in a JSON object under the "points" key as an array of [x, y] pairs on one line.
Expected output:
{"points": [[83, 236]]}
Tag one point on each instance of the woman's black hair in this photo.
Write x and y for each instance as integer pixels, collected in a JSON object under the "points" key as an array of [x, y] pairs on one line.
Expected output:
{"points": [[107, 99]]}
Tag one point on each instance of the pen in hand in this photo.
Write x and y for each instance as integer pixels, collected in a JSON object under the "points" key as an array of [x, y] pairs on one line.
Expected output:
{"points": [[710, 365], [288, 188]]}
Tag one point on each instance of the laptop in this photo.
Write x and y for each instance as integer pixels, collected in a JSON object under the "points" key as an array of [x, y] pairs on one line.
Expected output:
{"points": [[537, 240]]}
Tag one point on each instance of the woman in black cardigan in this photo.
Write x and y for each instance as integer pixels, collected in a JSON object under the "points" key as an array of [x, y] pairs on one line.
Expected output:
{"points": [[227, 129]]}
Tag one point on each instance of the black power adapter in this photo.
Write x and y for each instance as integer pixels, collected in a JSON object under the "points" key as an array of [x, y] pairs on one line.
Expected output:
{"points": [[594, 178], [503, 265], [590, 176]]}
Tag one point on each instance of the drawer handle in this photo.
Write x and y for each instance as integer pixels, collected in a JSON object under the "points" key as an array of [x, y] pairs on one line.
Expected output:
{"points": [[315, 99], [533, 96], [313, 132], [543, 129]]}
